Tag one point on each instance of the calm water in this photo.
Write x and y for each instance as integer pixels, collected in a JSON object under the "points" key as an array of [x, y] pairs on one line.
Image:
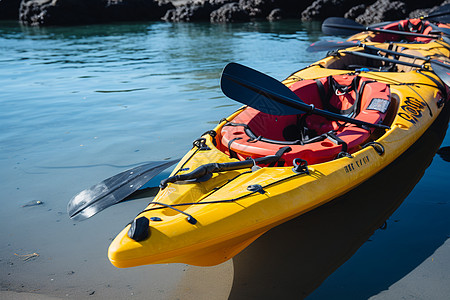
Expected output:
{"points": [[80, 104]]}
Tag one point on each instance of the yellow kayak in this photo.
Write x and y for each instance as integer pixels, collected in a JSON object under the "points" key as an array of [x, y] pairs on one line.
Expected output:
{"points": [[257, 169]]}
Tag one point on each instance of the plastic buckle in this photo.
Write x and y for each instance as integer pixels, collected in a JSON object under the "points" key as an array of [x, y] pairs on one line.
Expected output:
{"points": [[201, 144]]}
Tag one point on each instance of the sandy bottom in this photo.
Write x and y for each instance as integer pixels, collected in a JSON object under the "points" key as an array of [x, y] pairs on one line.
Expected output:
{"points": [[71, 263], [51, 255], [430, 280]]}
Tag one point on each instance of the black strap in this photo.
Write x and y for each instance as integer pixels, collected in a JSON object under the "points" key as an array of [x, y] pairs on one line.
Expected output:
{"points": [[337, 140], [333, 86], [321, 88], [279, 153], [358, 96], [232, 153]]}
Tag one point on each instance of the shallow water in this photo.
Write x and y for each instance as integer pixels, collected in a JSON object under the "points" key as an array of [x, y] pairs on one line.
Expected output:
{"points": [[80, 104]]}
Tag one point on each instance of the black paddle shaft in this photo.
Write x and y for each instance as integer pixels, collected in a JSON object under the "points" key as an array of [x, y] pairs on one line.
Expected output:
{"points": [[332, 45], [441, 11], [330, 24], [382, 58], [404, 33], [440, 68]]}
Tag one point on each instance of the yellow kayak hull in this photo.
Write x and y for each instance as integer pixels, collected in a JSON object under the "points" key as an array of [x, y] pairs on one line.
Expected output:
{"points": [[230, 217]]}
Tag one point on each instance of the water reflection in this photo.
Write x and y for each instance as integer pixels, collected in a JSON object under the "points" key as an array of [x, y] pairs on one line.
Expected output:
{"points": [[293, 259], [444, 153]]}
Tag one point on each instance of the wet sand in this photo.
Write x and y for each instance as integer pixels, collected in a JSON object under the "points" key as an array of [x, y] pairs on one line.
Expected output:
{"points": [[430, 280], [72, 262]]}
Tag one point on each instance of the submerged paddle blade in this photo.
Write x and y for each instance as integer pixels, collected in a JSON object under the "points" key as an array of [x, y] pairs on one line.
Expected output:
{"points": [[113, 190], [259, 91], [330, 45], [442, 70]]}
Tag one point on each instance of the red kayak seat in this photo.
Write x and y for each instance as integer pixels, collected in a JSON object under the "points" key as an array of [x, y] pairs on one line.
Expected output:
{"points": [[311, 137], [408, 25]]}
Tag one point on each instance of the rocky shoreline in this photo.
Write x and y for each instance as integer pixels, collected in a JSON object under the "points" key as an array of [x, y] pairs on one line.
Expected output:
{"points": [[78, 12]]}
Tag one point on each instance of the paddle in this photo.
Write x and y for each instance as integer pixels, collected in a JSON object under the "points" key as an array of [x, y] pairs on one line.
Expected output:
{"points": [[440, 68], [438, 14], [270, 96], [113, 190], [382, 58], [343, 26], [332, 45]]}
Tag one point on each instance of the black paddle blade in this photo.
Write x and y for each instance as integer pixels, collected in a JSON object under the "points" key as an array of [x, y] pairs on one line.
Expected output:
{"points": [[113, 190], [442, 70], [258, 90], [330, 45], [341, 26], [268, 95], [440, 14]]}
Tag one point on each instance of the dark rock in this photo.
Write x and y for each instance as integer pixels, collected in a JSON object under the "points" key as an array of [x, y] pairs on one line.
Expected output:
{"points": [[355, 11], [383, 10], [292, 8], [194, 11], [75, 12], [230, 12], [136, 10], [235, 10], [425, 11], [257, 8], [276, 14], [419, 12], [9, 9], [322, 9]]}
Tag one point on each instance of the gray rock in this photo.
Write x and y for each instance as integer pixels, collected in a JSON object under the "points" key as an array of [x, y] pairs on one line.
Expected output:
{"points": [[257, 8], [322, 9], [276, 14], [235, 10], [383, 10], [231, 12], [355, 11], [75, 12], [425, 11], [194, 11]]}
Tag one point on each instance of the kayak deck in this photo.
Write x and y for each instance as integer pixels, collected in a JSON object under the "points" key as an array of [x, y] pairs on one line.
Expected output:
{"points": [[207, 220]]}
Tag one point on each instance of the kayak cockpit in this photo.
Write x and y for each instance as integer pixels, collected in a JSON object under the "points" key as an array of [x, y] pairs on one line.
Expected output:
{"points": [[409, 25], [316, 139]]}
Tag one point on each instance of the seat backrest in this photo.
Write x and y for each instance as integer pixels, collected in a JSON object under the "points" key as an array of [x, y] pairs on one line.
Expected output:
{"points": [[408, 25], [338, 94]]}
